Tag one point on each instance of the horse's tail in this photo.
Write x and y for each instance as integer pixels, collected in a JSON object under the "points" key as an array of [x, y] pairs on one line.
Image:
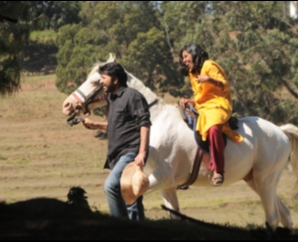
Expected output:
{"points": [[292, 132]]}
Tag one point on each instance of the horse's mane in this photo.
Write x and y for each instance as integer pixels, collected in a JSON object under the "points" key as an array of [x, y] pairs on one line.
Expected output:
{"points": [[135, 83], [132, 81], [95, 68], [98, 64]]}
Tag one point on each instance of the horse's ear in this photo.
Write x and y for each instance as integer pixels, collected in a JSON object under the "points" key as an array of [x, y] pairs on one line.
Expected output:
{"points": [[112, 58]]}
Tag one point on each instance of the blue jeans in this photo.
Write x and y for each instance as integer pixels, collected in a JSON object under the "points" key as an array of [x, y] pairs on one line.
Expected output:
{"points": [[118, 207]]}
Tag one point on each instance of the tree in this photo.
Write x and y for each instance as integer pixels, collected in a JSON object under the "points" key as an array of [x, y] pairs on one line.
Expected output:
{"points": [[59, 13], [253, 42], [17, 19], [131, 30], [76, 56]]}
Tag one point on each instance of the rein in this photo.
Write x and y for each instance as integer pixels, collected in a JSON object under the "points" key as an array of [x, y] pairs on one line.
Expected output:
{"points": [[89, 98], [153, 103], [74, 119], [194, 170]]}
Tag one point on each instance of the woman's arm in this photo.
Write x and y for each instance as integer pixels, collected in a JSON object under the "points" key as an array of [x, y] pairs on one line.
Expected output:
{"points": [[202, 78]]}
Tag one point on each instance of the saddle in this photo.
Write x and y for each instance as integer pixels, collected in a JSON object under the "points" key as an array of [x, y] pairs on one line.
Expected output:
{"points": [[190, 116]]}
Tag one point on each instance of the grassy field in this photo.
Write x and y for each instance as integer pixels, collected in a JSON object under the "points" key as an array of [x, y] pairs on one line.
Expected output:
{"points": [[42, 156]]}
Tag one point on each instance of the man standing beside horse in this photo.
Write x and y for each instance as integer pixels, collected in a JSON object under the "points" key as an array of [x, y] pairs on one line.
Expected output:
{"points": [[128, 130]]}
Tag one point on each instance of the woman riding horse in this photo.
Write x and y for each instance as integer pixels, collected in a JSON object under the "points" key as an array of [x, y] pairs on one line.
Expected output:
{"points": [[212, 100]]}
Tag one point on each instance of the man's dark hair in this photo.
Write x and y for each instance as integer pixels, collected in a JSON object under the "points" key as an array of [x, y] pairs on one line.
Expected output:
{"points": [[114, 70], [199, 55]]}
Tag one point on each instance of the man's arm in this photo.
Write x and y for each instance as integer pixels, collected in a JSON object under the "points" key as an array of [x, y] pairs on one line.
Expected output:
{"points": [[144, 145], [89, 124]]}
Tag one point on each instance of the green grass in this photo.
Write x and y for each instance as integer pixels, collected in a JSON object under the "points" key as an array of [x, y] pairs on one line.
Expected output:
{"points": [[20, 162], [2, 157], [43, 37], [216, 202], [29, 79]]}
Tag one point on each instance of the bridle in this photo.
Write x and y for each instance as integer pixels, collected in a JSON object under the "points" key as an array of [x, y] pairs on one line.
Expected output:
{"points": [[83, 104]]}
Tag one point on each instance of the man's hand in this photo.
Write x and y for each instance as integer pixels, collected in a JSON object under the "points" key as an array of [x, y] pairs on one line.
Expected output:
{"points": [[140, 159], [87, 123]]}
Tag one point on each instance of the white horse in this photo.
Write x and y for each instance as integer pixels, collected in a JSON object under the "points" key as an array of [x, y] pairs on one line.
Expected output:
{"points": [[260, 159]]}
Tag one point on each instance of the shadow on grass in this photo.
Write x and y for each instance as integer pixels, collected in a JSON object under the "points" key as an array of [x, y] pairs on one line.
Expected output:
{"points": [[52, 219]]}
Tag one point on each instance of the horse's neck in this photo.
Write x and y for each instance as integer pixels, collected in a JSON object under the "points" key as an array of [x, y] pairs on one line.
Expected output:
{"points": [[150, 96]]}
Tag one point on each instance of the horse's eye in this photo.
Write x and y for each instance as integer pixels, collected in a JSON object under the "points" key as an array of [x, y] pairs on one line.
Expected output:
{"points": [[95, 83]]}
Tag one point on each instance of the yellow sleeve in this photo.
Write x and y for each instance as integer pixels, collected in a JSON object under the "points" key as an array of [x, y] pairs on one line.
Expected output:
{"points": [[213, 70]]}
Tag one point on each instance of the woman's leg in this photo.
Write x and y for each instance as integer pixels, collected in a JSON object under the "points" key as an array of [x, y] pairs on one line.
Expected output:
{"points": [[217, 146]]}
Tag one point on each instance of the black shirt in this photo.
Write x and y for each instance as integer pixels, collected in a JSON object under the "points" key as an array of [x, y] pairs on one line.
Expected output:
{"points": [[128, 111]]}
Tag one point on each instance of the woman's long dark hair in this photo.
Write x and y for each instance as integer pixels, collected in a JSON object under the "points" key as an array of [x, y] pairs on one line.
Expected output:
{"points": [[199, 55]]}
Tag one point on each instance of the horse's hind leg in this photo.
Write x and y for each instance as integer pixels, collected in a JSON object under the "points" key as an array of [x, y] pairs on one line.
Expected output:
{"points": [[170, 200], [284, 212], [275, 211], [285, 216]]}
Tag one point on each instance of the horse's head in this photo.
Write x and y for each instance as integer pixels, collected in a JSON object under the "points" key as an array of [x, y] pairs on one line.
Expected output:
{"points": [[88, 96]]}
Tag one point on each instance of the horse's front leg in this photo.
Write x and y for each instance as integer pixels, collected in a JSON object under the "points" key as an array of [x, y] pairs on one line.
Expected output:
{"points": [[170, 200]]}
